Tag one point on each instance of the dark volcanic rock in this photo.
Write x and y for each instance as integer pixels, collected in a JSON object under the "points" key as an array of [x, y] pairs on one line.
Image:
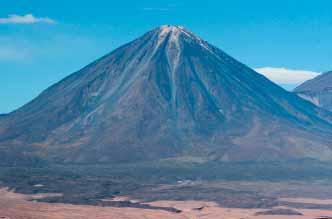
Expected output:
{"points": [[318, 90], [166, 94], [279, 211]]}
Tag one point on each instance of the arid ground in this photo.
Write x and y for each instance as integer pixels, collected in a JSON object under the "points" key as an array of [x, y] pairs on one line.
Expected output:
{"points": [[302, 190], [19, 206]]}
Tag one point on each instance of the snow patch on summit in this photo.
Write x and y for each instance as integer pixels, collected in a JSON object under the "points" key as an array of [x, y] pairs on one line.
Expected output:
{"points": [[175, 32], [165, 30]]}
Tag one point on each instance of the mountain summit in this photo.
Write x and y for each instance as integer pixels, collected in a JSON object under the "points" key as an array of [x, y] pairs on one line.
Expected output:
{"points": [[167, 94]]}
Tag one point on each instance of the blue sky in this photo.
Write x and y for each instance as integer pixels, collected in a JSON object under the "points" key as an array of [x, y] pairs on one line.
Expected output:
{"points": [[43, 41]]}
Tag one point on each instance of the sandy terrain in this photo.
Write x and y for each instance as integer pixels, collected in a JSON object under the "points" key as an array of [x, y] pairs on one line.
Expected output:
{"points": [[17, 206]]}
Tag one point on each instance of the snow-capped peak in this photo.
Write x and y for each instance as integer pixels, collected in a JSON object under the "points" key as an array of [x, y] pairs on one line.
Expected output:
{"points": [[169, 29], [164, 30], [175, 31]]}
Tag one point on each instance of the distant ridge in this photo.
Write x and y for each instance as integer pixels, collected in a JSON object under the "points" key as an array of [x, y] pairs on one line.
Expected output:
{"points": [[318, 90]]}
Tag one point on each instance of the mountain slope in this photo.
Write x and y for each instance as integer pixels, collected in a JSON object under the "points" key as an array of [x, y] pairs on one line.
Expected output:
{"points": [[166, 94], [318, 90]]}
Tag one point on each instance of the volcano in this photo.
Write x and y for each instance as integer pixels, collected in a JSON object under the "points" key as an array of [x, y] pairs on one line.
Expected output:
{"points": [[168, 94]]}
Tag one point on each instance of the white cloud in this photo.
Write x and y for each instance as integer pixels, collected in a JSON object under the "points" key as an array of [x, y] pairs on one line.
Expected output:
{"points": [[286, 76], [13, 48], [156, 9], [11, 54], [25, 19]]}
